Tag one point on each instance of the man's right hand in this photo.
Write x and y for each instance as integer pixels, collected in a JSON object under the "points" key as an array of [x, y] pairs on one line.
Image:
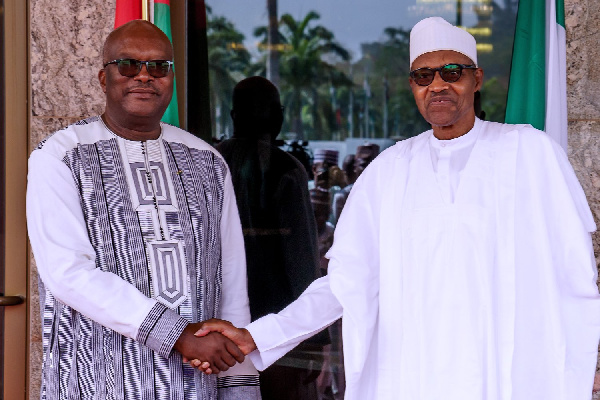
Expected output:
{"points": [[239, 336], [213, 348]]}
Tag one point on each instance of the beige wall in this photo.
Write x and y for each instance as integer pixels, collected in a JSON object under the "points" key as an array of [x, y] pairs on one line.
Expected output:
{"points": [[582, 19], [66, 37], [583, 98], [66, 40]]}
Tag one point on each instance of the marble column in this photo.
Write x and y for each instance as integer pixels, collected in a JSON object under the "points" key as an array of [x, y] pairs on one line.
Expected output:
{"points": [[66, 45]]}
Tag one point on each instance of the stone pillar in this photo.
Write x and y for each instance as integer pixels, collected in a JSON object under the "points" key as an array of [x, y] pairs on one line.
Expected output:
{"points": [[582, 19], [66, 46]]}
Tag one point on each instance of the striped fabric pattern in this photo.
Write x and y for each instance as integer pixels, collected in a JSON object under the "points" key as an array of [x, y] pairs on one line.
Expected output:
{"points": [[84, 360], [238, 380]]}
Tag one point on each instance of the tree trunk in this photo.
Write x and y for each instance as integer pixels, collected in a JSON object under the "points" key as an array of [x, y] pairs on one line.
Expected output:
{"points": [[273, 39], [297, 114], [317, 126]]}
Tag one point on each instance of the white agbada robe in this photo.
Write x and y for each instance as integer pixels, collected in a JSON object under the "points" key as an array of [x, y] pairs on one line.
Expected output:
{"points": [[491, 296]]}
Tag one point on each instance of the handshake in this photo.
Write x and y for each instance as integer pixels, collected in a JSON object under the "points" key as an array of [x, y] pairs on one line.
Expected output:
{"points": [[214, 345]]}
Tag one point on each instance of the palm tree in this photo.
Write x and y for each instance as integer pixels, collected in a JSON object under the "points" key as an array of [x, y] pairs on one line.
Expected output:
{"points": [[390, 58], [227, 62], [303, 70]]}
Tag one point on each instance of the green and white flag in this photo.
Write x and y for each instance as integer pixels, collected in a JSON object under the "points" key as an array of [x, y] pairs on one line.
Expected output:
{"points": [[161, 17], [537, 91]]}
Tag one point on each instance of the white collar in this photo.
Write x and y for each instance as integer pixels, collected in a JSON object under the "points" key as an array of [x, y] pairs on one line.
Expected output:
{"points": [[129, 140], [466, 140]]}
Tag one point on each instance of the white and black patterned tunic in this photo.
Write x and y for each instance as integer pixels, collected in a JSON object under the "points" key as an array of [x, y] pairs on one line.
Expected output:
{"points": [[132, 241]]}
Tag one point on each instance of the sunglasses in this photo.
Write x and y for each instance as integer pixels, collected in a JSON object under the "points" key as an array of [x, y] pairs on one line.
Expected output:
{"points": [[449, 73], [130, 67]]}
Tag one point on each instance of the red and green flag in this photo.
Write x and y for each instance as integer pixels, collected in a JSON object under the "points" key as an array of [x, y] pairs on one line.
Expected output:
{"points": [[537, 91]]}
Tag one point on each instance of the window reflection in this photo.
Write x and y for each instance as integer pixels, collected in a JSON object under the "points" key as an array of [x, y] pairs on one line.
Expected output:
{"points": [[341, 67]]}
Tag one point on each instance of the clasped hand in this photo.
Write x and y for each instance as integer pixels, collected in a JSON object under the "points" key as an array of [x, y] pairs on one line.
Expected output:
{"points": [[214, 345]]}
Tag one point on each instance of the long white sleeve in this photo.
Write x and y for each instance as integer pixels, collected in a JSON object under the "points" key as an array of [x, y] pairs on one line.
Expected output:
{"points": [[65, 257], [276, 334], [235, 303]]}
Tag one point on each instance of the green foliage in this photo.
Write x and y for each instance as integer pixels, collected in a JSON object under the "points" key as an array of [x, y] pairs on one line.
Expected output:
{"points": [[496, 64], [228, 61], [387, 61], [305, 74], [325, 95]]}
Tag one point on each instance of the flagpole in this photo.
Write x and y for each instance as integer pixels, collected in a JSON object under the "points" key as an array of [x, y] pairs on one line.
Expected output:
{"points": [[145, 10], [351, 109], [386, 92], [151, 11]]}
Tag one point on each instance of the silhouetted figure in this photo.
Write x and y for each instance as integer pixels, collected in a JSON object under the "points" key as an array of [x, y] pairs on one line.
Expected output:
{"points": [[364, 155], [479, 113], [279, 227], [327, 174], [320, 200], [300, 150], [348, 168], [331, 380]]}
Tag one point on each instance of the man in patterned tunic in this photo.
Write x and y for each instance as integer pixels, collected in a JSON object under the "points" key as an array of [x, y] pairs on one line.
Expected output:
{"points": [[135, 231]]}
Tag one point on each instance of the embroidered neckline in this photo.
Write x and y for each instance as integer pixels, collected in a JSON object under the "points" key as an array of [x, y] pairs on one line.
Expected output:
{"points": [[117, 136]]}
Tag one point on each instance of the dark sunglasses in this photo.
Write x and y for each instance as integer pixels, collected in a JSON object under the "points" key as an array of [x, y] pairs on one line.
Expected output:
{"points": [[130, 67], [449, 73]]}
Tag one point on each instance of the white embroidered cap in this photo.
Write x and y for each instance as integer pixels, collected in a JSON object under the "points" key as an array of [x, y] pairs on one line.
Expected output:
{"points": [[434, 34]]}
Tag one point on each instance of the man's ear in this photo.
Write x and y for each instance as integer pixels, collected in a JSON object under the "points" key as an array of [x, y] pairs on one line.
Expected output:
{"points": [[478, 79], [102, 79]]}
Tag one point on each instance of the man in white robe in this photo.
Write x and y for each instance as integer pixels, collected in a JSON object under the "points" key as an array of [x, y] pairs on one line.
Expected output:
{"points": [[136, 237], [462, 263]]}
